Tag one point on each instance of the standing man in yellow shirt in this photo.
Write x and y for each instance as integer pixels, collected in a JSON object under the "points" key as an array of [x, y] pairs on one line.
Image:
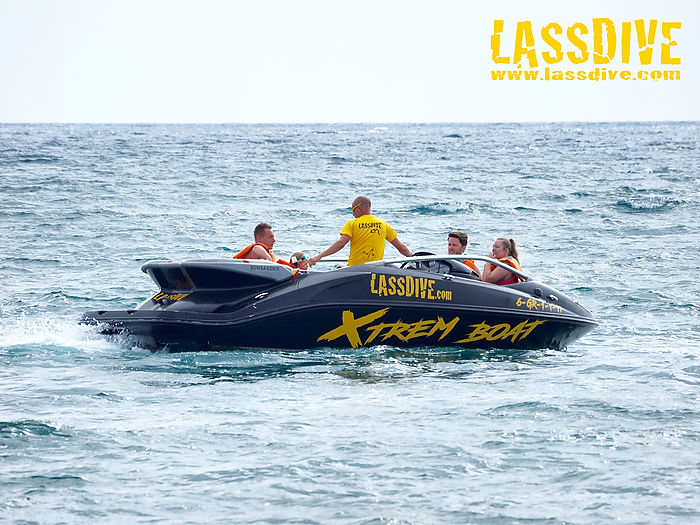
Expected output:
{"points": [[366, 235]]}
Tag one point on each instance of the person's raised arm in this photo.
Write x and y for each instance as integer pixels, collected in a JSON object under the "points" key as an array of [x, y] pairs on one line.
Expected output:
{"points": [[403, 249], [333, 248]]}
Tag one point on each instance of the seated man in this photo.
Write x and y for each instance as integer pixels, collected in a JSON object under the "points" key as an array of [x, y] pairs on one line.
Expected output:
{"points": [[262, 247], [456, 244]]}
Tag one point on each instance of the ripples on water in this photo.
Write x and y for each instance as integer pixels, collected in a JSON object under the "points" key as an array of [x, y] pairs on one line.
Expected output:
{"points": [[99, 429]]}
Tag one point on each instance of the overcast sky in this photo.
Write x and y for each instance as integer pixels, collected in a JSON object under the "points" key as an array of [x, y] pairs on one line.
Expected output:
{"points": [[319, 61]]}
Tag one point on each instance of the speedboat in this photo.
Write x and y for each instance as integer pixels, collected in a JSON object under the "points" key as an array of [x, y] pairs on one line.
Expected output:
{"points": [[421, 301]]}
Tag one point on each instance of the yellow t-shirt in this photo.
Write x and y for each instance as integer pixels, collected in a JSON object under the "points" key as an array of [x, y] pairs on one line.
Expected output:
{"points": [[367, 236]]}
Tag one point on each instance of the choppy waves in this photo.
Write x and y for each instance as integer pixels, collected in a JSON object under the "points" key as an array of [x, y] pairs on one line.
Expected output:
{"points": [[95, 428]]}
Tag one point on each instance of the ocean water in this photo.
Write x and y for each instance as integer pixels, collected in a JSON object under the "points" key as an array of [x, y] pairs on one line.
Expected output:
{"points": [[96, 429]]}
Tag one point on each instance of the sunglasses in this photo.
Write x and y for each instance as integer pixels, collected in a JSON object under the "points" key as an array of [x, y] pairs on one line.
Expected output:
{"points": [[355, 206]]}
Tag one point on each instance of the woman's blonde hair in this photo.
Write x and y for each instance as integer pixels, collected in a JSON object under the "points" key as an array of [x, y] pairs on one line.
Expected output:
{"points": [[509, 246]]}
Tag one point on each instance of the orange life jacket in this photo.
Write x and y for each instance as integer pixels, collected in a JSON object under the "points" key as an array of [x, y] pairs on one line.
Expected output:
{"points": [[512, 262], [471, 265], [287, 263], [245, 251]]}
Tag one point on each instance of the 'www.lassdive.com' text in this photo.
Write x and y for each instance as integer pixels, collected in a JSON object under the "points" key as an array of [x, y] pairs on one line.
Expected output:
{"points": [[597, 74], [587, 47]]}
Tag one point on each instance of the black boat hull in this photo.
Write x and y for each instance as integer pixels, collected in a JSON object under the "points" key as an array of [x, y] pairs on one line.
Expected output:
{"points": [[350, 308]]}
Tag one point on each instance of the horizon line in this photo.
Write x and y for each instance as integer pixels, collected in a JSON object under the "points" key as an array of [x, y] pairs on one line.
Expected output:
{"points": [[343, 123]]}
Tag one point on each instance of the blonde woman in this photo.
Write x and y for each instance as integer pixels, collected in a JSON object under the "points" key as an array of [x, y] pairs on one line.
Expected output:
{"points": [[505, 251]]}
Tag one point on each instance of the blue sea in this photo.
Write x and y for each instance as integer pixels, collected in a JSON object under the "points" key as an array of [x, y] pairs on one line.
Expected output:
{"points": [[99, 430]]}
